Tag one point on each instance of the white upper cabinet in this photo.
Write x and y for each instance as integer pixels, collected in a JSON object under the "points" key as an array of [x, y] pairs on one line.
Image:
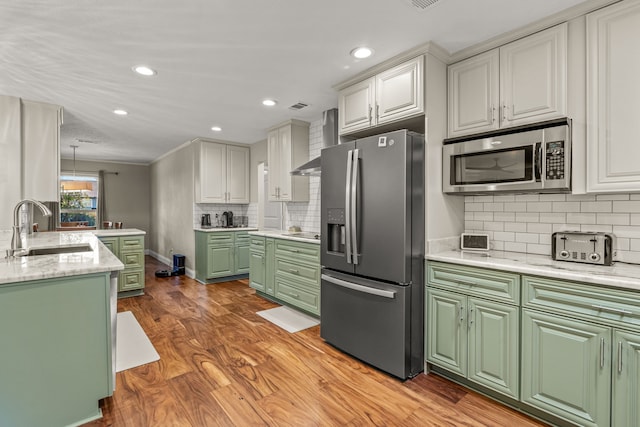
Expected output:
{"points": [[521, 82], [221, 172], [474, 94], [287, 148], [392, 95], [41, 150], [613, 98]]}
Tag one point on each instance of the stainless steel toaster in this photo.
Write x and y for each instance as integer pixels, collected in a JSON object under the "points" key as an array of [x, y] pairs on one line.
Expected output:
{"points": [[587, 247]]}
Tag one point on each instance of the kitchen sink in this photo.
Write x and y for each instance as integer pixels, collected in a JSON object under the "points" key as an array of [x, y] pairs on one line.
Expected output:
{"points": [[57, 250]]}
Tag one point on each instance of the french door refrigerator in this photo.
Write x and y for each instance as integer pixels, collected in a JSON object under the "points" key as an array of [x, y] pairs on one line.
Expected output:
{"points": [[372, 250]]}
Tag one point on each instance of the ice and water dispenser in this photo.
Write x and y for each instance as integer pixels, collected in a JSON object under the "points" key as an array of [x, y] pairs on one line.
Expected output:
{"points": [[335, 230]]}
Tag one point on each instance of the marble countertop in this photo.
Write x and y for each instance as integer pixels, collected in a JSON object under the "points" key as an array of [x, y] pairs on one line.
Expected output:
{"points": [[619, 275], [115, 232], [22, 269], [300, 236], [219, 229]]}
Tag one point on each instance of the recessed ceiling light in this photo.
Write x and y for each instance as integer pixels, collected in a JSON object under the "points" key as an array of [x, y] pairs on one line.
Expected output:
{"points": [[269, 102], [120, 112], [216, 128], [361, 52], [143, 70]]}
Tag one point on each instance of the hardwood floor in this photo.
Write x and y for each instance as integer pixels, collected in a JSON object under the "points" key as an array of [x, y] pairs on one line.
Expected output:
{"points": [[223, 365]]}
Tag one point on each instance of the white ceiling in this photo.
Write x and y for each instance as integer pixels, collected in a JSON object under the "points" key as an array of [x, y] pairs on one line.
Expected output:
{"points": [[216, 60]]}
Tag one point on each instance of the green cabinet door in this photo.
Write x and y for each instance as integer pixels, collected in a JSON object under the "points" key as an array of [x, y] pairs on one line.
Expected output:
{"points": [[242, 255], [566, 367], [447, 330], [220, 261], [270, 273], [626, 372], [257, 271], [493, 345]]}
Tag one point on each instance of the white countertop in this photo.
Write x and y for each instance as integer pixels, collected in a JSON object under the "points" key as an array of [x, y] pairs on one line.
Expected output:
{"points": [[21, 269], [219, 229], [619, 275], [116, 232], [300, 236]]}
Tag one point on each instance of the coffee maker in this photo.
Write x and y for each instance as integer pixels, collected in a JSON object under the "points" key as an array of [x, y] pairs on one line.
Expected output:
{"points": [[205, 221]]}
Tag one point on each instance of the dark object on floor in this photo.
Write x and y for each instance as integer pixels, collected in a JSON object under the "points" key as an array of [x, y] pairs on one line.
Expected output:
{"points": [[163, 273], [178, 265]]}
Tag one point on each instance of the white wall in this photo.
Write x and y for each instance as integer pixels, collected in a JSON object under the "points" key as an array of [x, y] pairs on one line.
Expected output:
{"points": [[172, 187]]}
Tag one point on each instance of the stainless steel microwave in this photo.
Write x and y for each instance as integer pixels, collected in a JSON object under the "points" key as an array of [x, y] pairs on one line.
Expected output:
{"points": [[533, 158]]}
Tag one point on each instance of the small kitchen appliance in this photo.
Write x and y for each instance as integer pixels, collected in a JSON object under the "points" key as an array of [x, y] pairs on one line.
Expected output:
{"points": [[531, 158], [205, 220], [474, 242], [587, 247]]}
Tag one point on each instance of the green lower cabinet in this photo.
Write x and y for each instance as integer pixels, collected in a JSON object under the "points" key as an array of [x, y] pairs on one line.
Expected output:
{"points": [[566, 367], [474, 338], [130, 250], [221, 254], [626, 372], [269, 271], [257, 271]]}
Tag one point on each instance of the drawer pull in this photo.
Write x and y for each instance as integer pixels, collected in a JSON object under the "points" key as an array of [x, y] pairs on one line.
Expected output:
{"points": [[601, 353], [619, 357], [615, 310], [294, 271], [296, 296], [465, 282]]}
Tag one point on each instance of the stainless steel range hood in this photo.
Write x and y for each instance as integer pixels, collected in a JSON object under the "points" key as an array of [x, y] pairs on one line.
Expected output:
{"points": [[329, 138]]}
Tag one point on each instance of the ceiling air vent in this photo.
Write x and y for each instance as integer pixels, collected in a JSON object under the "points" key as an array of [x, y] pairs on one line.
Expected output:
{"points": [[298, 106], [422, 4]]}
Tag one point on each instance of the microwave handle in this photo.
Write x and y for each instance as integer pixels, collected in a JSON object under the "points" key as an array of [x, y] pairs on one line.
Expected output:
{"points": [[538, 161]]}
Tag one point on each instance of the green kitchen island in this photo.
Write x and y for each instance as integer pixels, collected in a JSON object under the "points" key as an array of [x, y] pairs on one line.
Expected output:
{"points": [[57, 327]]}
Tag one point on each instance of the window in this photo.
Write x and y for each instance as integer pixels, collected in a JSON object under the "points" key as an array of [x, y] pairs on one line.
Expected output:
{"points": [[78, 200]]}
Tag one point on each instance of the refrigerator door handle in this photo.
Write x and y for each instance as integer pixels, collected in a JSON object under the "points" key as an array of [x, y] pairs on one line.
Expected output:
{"points": [[347, 205], [359, 288], [354, 207]]}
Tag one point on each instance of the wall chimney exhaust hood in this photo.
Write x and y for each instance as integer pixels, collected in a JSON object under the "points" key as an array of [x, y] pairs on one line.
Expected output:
{"points": [[329, 138]]}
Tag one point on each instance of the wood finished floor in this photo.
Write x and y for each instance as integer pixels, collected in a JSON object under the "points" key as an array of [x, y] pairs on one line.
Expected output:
{"points": [[223, 365]]}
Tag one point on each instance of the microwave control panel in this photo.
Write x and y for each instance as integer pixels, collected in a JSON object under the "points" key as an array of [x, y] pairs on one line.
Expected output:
{"points": [[555, 160]]}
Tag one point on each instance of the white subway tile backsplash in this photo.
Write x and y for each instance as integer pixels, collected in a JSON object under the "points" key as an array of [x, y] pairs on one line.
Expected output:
{"points": [[539, 249], [515, 247], [566, 207], [515, 207], [515, 226], [525, 222], [556, 217], [527, 237], [552, 198], [613, 219], [504, 198], [483, 216], [538, 206], [537, 227], [600, 197], [581, 218], [623, 206], [527, 217], [596, 206]]}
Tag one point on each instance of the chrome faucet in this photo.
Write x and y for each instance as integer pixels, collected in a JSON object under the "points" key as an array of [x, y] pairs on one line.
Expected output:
{"points": [[16, 241]]}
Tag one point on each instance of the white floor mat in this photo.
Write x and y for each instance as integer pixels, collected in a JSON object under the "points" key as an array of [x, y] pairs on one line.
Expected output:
{"points": [[288, 319], [133, 347]]}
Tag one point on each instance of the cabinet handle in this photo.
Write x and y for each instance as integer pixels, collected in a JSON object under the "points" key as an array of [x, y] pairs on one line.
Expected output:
{"points": [[465, 282], [470, 317], [294, 271], [504, 112], [619, 357], [615, 310], [296, 296], [492, 110], [461, 313], [601, 352], [377, 112], [370, 117]]}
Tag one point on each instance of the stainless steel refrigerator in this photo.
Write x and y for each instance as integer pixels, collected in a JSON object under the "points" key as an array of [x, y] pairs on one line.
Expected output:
{"points": [[372, 219]]}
